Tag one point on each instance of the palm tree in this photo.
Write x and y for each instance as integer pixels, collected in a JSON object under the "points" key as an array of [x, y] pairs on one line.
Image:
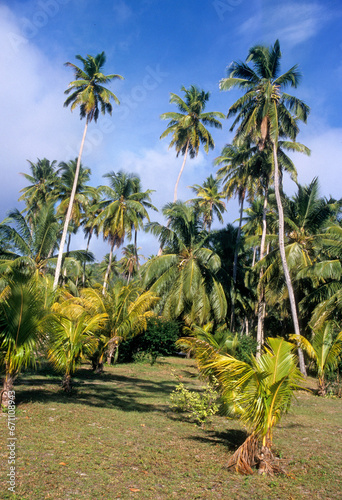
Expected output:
{"points": [[122, 210], [23, 313], [325, 349], [74, 336], [238, 179], [185, 276], [188, 125], [31, 248], [258, 393], [30, 244], [127, 309], [44, 181], [89, 94], [209, 201], [268, 113], [130, 261]]}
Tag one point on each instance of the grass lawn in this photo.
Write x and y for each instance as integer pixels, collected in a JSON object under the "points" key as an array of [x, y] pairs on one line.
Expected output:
{"points": [[116, 437]]}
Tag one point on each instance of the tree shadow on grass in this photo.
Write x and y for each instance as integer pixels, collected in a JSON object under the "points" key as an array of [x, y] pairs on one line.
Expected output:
{"points": [[108, 390], [231, 438]]}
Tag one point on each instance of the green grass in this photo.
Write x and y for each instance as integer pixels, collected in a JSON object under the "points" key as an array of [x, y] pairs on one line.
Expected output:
{"points": [[116, 437]]}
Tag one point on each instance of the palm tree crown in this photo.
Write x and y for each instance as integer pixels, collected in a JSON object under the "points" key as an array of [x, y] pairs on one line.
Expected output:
{"points": [[188, 126]]}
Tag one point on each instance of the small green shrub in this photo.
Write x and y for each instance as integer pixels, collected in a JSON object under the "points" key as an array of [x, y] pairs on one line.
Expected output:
{"points": [[199, 406], [158, 340]]}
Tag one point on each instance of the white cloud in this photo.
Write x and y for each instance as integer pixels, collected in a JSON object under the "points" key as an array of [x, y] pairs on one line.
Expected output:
{"points": [[291, 22], [34, 123]]}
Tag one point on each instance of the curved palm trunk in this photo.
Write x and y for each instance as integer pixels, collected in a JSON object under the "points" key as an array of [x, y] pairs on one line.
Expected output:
{"points": [[261, 301], [283, 259], [180, 172], [232, 316], [105, 283], [68, 214]]}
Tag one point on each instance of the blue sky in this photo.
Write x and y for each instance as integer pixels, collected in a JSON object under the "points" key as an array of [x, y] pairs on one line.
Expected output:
{"points": [[158, 46]]}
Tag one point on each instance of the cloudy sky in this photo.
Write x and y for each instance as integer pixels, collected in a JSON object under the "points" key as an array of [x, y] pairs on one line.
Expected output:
{"points": [[158, 46]]}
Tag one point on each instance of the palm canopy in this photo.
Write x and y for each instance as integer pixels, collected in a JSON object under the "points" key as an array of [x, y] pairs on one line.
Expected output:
{"points": [[123, 209], [87, 90], [43, 182], [265, 110], [185, 276], [188, 126], [30, 247], [209, 200], [67, 176]]}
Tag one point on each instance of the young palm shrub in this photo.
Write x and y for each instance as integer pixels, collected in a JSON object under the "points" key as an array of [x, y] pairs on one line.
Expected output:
{"points": [[73, 338], [258, 393], [325, 350], [127, 309], [23, 313]]}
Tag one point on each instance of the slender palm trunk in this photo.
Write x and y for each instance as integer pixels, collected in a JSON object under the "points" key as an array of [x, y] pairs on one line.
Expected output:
{"points": [[180, 172], [283, 259], [254, 256], [232, 316], [108, 268], [136, 250], [87, 249], [261, 300], [68, 214]]}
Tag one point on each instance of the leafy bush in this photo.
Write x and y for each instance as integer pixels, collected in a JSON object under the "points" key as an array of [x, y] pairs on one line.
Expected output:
{"points": [[200, 406], [158, 340]]}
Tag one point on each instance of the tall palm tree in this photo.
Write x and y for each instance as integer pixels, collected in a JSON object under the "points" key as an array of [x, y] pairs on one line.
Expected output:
{"points": [[209, 200], [122, 210], [269, 113], [188, 126], [87, 92], [238, 179], [185, 276]]}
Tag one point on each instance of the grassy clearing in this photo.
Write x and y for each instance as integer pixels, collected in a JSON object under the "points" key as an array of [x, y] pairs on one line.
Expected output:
{"points": [[116, 437]]}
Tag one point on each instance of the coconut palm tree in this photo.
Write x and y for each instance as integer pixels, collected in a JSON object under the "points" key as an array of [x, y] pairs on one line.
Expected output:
{"points": [[31, 246], [44, 181], [185, 276], [269, 113], [130, 261], [209, 201], [73, 337], [258, 393], [188, 126], [122, 210], [87, 92], [127, 309]]}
